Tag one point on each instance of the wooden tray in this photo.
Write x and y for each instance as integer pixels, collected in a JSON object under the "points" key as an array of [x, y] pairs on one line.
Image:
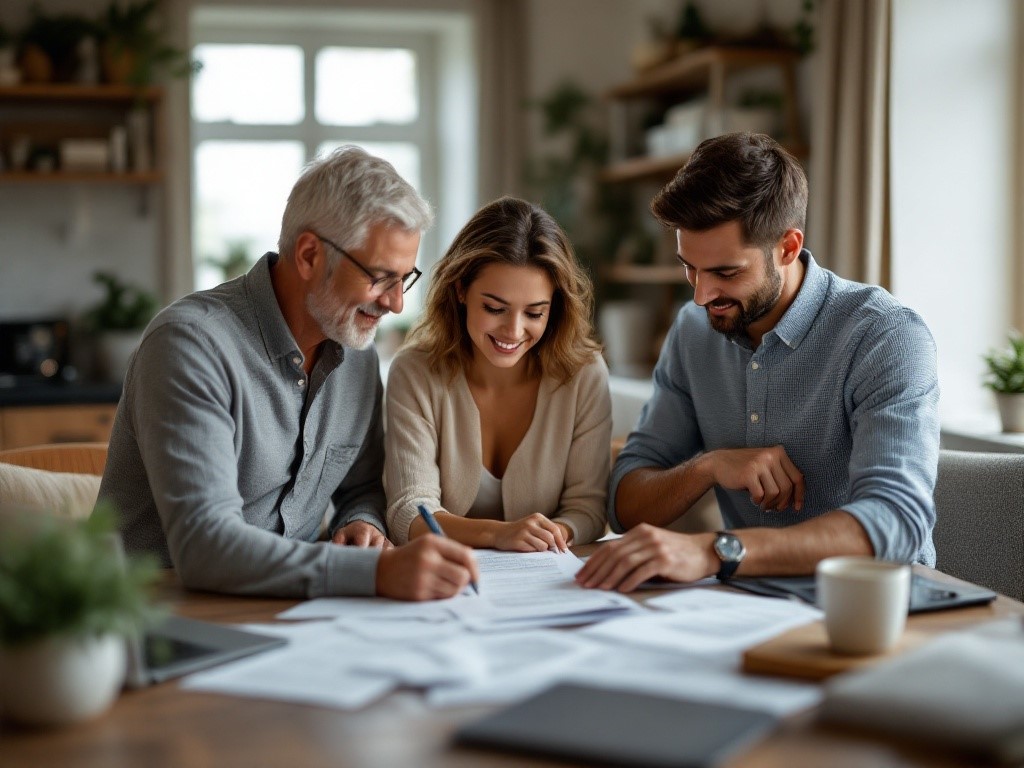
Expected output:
{"points": [[804, 652]]}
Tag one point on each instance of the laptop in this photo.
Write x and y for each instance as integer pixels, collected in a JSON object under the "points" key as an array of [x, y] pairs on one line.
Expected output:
{"points": [[926, 594], [179, 646], [613, 727]]}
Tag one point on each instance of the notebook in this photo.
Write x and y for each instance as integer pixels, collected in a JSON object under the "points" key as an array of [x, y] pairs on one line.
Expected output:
{"points": [[179, 646], [608, 727], [926, 594]]}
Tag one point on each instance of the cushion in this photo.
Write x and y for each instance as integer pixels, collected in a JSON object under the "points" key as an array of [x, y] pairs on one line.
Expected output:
{"points": [[64, 494]]}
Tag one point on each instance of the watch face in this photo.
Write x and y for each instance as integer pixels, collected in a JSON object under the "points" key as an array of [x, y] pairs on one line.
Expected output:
{"points": [[728, 547]]}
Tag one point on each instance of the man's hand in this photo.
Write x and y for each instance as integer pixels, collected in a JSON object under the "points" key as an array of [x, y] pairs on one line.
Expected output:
{"points": [[361, 534], [428, 568], [535, 533], [767, 474], [646, 552]]}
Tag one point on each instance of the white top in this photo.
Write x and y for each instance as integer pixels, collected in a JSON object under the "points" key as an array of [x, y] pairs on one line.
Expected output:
{"points": [[487, 505]]}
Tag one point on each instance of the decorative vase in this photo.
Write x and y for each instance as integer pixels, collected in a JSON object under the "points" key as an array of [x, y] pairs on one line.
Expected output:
{"points": [[627, 328], [60, 680], [114, 352], [1011, 411]]}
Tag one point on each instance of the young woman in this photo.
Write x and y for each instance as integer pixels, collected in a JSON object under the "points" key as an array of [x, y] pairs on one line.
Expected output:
{"points": [[498, 412]]}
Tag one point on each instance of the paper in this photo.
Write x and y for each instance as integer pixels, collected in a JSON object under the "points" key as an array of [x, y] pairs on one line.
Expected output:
{"points": [[707, 622], [535, 588]]}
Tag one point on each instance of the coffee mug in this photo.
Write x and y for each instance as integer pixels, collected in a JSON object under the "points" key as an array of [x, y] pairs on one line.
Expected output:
{"points": [[865, 603]]}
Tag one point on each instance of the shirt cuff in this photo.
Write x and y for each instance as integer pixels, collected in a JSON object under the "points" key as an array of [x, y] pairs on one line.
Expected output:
{"points": [[351, 571]]}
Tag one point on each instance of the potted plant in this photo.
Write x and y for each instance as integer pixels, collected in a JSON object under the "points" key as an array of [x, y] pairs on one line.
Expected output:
{"points": [[67, 600], [1005, 377], [49, 45], [118, 321], [234, 263], [134, 48]]}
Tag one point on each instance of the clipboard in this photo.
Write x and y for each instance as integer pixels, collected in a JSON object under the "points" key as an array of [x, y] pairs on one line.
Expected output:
{"points": [[623, 728]]}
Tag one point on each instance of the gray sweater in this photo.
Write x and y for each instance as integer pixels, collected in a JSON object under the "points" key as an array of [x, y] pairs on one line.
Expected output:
{"points": [[224, 457]]}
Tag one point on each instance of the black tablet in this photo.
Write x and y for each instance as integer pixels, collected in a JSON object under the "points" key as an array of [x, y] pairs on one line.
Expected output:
{"points": [[610, 727]]}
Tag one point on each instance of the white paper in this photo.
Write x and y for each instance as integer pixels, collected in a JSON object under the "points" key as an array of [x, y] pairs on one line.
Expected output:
{"points": [[708, 622], [518, 664]]}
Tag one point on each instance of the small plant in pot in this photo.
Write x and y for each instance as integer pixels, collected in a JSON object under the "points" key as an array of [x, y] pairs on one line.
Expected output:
{"points": [[1005, 377], [68, 598], [118, 322], [134, 46]]}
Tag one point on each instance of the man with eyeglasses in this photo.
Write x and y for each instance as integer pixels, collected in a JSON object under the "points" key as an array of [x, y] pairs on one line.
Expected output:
{"points": [[251, 410]]}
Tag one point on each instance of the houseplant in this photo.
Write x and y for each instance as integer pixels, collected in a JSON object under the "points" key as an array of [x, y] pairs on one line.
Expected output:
{"points": [[67, 599], [49, 44], [1005, 377], [134, 48], [117, 322]]}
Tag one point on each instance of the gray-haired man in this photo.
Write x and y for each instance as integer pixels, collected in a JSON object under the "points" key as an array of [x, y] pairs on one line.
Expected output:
{"points": [[248, 408]]}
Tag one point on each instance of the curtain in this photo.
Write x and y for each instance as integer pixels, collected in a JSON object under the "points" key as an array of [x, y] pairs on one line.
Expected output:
{"points": [[501, 46], [848, 216]]}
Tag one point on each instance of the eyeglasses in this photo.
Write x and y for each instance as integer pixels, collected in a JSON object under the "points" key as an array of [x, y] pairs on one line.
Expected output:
{"points": [[378, 285]]}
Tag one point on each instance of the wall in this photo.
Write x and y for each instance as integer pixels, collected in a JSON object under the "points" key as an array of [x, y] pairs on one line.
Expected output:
{"points": [[953, 203]]}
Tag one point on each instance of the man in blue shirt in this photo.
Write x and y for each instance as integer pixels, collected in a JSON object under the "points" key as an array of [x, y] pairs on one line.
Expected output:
{"points": [[808, 402]]}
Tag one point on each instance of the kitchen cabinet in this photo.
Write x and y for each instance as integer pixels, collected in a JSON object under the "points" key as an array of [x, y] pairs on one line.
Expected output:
{"points": [[21, 426]]}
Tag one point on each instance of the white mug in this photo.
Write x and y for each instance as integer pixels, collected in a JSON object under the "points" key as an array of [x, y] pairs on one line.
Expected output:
{"points": [[865, 602]]}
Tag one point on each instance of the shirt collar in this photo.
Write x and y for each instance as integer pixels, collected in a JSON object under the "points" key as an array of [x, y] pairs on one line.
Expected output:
{"points": [[797, 320]]}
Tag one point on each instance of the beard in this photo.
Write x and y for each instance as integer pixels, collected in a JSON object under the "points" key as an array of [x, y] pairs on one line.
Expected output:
{"points": [[339, 324], [753, 309]]}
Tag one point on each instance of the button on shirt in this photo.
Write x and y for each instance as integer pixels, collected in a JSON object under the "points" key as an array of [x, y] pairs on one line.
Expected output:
{"points": [[225, 455], [846, 382]]}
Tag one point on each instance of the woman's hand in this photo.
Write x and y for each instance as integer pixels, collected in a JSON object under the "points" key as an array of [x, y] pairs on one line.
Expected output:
{"points": [[535, 533]]}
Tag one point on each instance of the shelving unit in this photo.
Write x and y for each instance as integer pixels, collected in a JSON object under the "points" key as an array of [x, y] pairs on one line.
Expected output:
{"points": [[704, 72], [48, 113]]}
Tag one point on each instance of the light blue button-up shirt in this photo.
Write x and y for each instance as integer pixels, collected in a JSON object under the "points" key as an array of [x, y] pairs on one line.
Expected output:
{"points": [[846, 383]]}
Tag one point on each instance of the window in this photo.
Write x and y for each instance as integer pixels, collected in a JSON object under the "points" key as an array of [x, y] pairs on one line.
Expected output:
{"points": [[275, 92]]}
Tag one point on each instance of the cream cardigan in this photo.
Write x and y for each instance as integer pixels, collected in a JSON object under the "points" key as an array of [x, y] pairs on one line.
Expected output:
{"points": [[433, 454]]}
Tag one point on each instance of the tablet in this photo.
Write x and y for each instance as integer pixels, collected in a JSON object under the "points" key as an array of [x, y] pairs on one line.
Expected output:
{"points": [[609, 727], [179, 646], [926, 594]]}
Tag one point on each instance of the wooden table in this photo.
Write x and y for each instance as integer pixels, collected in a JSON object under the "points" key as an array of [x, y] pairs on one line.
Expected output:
{"points": [[166, 726]]}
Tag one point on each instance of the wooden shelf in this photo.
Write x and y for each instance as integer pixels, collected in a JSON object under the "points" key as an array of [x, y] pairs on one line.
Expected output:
{"points": [[644, 274], [86, 177], [65, 92], [691, 71], [664, 168]]}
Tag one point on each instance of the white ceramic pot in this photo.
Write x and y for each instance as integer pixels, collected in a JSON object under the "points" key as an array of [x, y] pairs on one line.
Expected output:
{"points": [[115, 350], [61, 679], [1011, 411], [627, 328]]}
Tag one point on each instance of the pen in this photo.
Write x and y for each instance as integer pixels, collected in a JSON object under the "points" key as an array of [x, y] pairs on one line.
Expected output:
{"points": [[428, 518]]}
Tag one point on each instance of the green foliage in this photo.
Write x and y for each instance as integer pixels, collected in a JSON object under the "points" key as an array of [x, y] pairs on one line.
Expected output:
{"points": [[235, 262], [803, 29], [565, 178], [58, 35], [131, 28], [124, 308], [1006, 366], [691, 24], [60, 577]]}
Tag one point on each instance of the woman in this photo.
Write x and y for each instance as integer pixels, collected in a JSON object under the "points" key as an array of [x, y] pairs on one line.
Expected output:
{"points": [[498, 412]]}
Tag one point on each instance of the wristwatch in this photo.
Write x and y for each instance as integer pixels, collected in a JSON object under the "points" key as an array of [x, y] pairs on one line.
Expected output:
{"points": [[730, 551]]}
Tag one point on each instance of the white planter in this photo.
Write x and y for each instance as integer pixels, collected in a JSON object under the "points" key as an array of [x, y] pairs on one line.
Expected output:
{"points": [[114, 350], [61, 679], [1011, 411], [627, 328]]}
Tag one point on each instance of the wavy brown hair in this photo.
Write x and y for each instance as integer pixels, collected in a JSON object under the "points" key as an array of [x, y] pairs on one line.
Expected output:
{"points": [[520, 234]]}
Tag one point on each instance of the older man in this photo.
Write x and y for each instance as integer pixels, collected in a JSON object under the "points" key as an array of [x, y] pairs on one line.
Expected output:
{"points": [[249, 408]]}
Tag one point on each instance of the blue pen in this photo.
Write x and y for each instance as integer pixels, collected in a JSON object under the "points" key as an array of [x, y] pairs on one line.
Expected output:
{"points": [[428, 518]]}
